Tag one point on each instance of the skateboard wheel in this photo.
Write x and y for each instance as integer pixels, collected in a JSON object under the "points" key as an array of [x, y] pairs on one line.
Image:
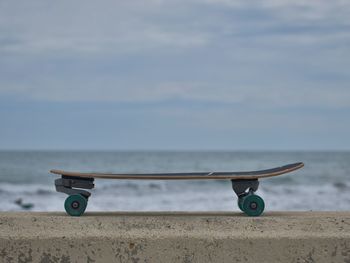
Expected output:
{"points": [[240, 203], [75, 205], [253, 205]]}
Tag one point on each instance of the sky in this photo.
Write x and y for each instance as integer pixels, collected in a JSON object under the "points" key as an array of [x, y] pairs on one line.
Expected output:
{"points": [[175, 75]]}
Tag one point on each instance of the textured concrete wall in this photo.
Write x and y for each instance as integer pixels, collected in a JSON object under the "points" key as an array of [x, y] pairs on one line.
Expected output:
{"points": [[175, 237]]}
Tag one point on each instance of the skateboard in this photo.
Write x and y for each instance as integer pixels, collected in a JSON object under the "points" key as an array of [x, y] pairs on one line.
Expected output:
{"points": [[244, 184]]}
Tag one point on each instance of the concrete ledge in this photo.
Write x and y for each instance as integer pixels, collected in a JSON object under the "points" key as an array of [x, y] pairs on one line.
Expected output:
{"points": [[175, 237]]}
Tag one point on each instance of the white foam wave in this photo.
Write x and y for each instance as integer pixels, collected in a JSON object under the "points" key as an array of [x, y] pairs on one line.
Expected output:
{"points": [[179, 196]]}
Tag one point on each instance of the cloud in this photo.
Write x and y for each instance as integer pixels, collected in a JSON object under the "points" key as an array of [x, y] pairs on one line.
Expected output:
{"points": [[296, 11], [90, 27], [114, 27], [275, 53]]}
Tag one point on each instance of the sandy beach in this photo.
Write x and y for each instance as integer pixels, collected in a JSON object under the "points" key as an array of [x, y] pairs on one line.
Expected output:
{"points": [[175, 237]]}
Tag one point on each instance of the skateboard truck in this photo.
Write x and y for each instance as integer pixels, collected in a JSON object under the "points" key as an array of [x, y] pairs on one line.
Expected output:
{"points": [[74, 185], [243, 187]]}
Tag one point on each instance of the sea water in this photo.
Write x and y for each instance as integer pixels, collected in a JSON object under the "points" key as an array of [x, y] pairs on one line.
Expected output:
{"points": [[323, 184]]}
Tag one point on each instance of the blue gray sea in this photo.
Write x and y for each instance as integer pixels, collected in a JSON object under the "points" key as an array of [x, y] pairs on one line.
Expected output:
{"points": [[323, 184]]}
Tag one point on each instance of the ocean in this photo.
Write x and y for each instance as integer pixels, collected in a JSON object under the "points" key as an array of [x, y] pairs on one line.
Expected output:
{"points": [[321, 185]]}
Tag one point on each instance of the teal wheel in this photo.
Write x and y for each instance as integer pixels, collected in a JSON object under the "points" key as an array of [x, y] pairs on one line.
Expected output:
{"points": [[253, 205], [75, 205], [240, 203]]}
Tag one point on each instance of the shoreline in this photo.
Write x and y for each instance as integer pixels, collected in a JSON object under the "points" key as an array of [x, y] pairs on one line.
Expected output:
{"points": [[175, 236]]}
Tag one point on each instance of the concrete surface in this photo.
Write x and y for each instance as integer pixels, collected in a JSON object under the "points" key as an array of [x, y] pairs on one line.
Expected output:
{"points": [[175, 237]]}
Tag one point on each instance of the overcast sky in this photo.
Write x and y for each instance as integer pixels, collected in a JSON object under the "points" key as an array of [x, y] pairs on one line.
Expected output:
{"points": [[175, 75]]}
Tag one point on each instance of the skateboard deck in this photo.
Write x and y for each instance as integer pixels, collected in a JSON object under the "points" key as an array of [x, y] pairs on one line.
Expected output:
{"points": [[244, 184], [251, 175]]}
